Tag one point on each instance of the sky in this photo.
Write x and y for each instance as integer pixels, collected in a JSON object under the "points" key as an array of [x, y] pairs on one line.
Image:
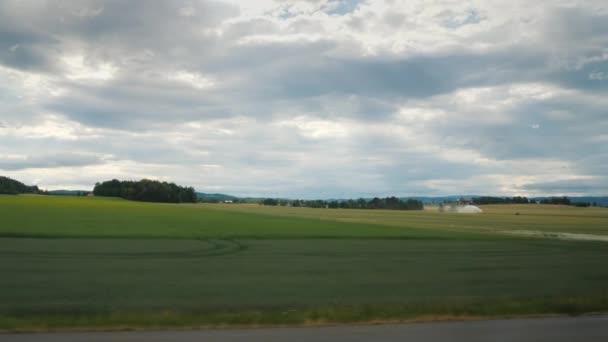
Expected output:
{"points": [[308, 99]]}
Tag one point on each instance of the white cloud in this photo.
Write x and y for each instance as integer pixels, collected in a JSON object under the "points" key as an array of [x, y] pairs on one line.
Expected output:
{"points": [[48, 126], [78, 69], [315, 128], [195, 80]]}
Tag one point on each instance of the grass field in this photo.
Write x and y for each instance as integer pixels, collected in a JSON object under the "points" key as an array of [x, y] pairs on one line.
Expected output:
{"points": [[93, 263]]}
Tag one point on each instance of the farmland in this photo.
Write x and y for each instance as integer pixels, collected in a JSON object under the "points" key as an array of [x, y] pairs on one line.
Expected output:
{"points": [[95, 263]]}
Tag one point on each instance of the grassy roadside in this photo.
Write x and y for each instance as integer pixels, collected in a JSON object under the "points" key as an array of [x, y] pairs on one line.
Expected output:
{"points": [[303, 317]]}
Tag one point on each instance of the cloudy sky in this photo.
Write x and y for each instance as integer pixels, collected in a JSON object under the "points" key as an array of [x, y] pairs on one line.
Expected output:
{"points": [[312, 99]]}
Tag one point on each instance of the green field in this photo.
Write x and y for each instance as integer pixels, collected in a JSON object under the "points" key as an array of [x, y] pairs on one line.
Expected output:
{"points": [[93, 263]]}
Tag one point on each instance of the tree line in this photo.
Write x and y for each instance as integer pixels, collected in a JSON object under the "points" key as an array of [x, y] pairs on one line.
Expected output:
{"points": [[10, 186], [556, 200], [500, 200], [146, 190], [390, 203], [562, 200], [566, 201]]}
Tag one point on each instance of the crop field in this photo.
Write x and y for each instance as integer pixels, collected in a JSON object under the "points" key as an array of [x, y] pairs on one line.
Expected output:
{"points": [[94, 263], [497, 219]]}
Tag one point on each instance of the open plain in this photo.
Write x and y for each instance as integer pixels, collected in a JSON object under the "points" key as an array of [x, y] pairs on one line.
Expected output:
{"points": [[76, 263]]}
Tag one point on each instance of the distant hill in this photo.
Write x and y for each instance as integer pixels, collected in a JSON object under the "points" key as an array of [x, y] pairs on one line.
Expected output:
{"points": [[204, 197], [441, 199], [14, 187], [601, 201], [218, 198], [68, 192]]}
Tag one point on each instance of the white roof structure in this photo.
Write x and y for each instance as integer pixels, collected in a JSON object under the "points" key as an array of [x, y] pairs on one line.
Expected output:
{"points": [[469, 209]]}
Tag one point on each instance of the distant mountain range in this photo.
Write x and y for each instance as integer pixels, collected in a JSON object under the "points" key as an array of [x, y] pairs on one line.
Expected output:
{"points": [[599, 200], [13, 186], [441, 199], [214, 197]]}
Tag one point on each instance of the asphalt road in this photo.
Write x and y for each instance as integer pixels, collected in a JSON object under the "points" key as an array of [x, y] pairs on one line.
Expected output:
{"points": [[588, 329]]}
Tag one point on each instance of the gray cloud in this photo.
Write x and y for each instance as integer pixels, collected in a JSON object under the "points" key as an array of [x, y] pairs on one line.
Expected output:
{"points": [[575, 186], [15, 163], [307, 98]]}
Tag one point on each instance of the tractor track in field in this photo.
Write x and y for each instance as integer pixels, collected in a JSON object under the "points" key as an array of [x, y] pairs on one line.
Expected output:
{"points": [[213, 247]]}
